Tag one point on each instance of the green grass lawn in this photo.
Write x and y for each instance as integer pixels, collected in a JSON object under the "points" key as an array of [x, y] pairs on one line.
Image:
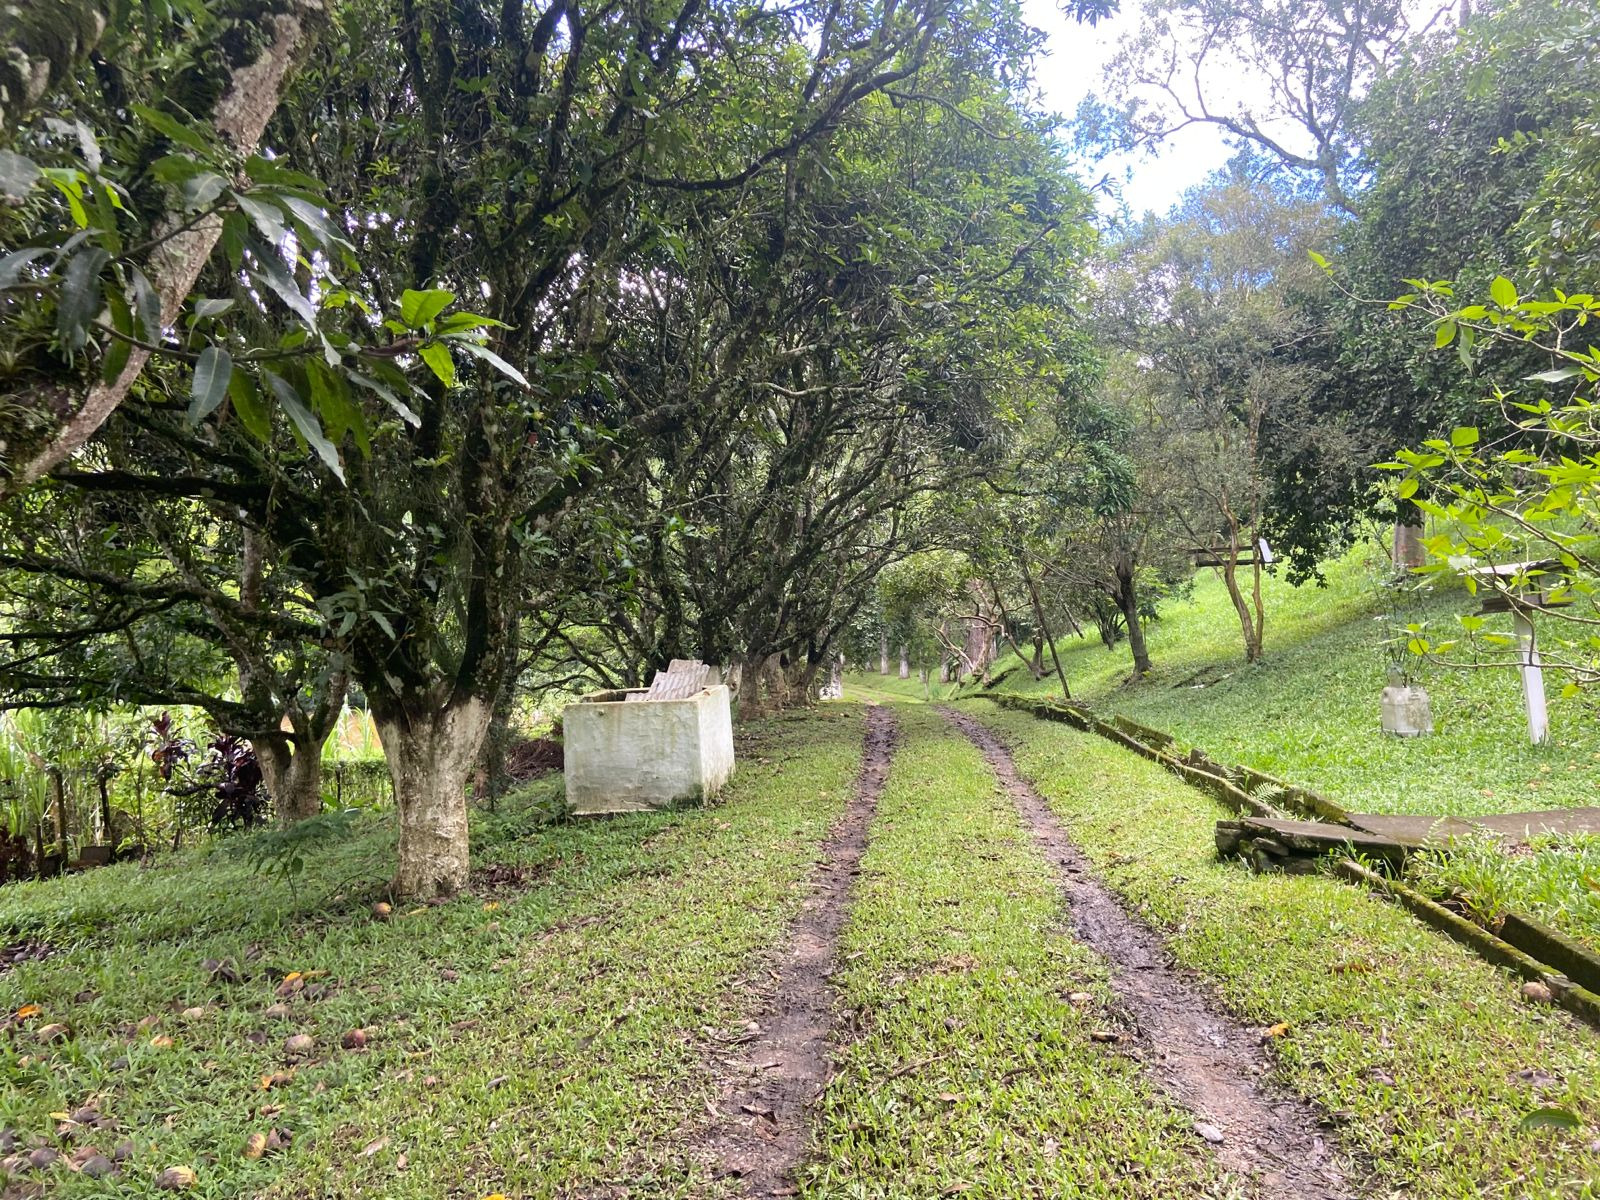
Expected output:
{"points": [[971, 1071], [1309, 710], [535, 1038], [1427, 1058]]}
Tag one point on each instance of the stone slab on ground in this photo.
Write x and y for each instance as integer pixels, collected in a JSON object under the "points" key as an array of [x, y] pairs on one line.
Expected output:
{"points": [[1426, 830]]}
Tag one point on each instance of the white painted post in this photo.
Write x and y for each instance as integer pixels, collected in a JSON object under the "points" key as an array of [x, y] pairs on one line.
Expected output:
{"points": [[1532, 679]]}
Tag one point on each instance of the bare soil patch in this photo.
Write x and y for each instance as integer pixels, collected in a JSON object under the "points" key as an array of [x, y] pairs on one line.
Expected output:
{"points": [[1210, 1063], [772, 1071]]}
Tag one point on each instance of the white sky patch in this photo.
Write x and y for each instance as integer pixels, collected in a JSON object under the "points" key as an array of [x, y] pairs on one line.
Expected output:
{"points": [[1075, 56]]}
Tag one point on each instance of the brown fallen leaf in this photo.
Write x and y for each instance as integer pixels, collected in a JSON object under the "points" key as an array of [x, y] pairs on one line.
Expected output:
{"points": [[54, 1032], [1276, 1031], [373, 1147], [1105, 1035], [766, 1114], [176, 1179]]}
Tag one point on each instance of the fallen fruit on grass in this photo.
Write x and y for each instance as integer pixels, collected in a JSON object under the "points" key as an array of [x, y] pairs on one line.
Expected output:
{"points": [[382, 911], [355, 1039], [195, 1013], [1079, 999], [161, 1041], [300, 1043], [277, 1012], [42, 1157], [28, 1010], [96, 1166], [254, 1146], [1105, 1035], [54, 1032], [176, 1179], [1538, 992]]}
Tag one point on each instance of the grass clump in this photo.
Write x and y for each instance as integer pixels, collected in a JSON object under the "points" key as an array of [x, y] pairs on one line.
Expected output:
{"points": [[1555, 879], [1428, 1058], [972, 1071], [536, 1038]]}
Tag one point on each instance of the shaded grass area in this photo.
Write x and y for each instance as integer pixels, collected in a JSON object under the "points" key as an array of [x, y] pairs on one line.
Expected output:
{"points": [[1309, 710], [1428, 1058], [534, 1038], [971, 1071]]}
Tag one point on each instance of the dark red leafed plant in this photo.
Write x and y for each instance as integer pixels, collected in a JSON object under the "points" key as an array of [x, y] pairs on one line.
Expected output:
{"points": [[171, 747]]}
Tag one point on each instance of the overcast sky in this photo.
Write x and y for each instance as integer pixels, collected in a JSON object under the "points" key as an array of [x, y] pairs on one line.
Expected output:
{"points": [[1071, 70]]}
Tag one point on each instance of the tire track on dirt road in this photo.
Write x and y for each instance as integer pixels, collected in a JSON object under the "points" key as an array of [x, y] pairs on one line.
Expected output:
{"points": [[1210, 1063], [771, 1079]]}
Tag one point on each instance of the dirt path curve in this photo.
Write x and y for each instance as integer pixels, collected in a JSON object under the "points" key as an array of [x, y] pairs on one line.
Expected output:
{"points": [[1210, 1063], [771, 1077]]}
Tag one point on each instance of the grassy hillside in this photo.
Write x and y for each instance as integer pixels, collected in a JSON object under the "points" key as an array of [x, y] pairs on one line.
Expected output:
{"points": [[1309, 710]]}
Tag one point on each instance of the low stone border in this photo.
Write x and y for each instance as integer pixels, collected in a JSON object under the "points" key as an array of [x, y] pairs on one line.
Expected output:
{"points": [[1573, 997]]}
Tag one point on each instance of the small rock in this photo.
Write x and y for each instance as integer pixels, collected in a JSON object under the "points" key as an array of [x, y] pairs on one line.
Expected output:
{"points": [[1537, 992], [118, 1064], [85, 1116], [355, 1039], [87, 996], [448, 975], [194, 1014], [277, 1012], [42, 1157], [1079, 999], [55, 1032], [299, 1044], [97, 1166], [1210, 1132], [176, 1179], [123, 1152]]}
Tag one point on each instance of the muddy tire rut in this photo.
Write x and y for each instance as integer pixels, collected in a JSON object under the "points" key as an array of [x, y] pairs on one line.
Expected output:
{"points": [[771, 1076], [1208, 1062]]}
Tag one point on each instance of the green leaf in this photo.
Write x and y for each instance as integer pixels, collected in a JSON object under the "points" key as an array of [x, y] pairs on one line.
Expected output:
{"points": [[1444, 334], [1318, 259], [1408, 488], [1550, 1118], [494, 360], [437, 356], [17, 175], [80, 296], [118, 349], [418, 308], [211, 375], [207, 307], [249, 406], [305, 423], [147, 304], [461, 321], [1503, 292], [274, 275], [394, 401], [1559, 375], [13, 264], [266, 218], [173, 128], [1463, 436]]}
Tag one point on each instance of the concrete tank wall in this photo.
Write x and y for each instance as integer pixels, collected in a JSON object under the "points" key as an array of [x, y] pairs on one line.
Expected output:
{"points": [[631, 756]]}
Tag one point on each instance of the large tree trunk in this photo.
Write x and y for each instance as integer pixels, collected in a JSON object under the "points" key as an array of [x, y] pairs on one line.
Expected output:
{"points": [[1128, 601], [240, 116], [883, 654], [293, 775], [46, 42], [905, 663], [431, 756]]}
